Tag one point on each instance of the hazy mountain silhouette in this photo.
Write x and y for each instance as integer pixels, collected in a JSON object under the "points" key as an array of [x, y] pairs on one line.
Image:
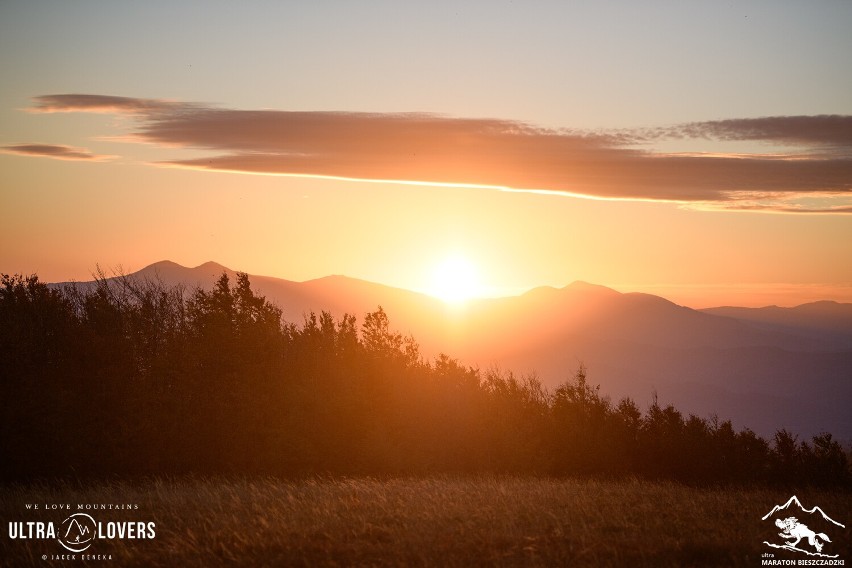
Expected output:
{"points": [[828, 322], [763, 368]]}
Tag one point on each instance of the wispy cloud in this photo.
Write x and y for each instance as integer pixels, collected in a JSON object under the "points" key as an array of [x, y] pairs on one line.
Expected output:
{"points": [[56, 151], [102, 103], [807, 131], [502, 153]]}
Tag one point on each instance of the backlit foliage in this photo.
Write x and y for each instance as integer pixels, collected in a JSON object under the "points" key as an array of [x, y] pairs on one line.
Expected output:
{"points": [[131, 378]]}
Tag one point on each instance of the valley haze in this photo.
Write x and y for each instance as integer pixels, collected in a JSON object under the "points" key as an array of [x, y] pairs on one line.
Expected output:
{"points": [[762, 368]]}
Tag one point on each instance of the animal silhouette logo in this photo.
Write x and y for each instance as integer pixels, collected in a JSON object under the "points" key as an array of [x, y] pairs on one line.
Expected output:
{"points": [[792, 528], [793, 531]]}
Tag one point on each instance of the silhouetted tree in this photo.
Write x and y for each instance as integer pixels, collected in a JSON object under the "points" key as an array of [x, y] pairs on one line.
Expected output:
{"points": [[126, 377]]}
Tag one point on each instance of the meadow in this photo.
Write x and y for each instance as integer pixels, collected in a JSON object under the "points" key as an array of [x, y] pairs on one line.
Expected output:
{"points": [[419, 521]]}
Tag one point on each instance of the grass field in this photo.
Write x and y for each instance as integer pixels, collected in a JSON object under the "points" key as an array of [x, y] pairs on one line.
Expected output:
{"points": [[442, 521]]}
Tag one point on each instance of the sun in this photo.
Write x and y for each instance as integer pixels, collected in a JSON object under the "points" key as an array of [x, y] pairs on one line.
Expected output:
{"points": [[455, 280]]}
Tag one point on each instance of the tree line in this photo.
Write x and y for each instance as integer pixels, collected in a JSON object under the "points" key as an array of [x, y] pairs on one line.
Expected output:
{"points": [[130, 377]]}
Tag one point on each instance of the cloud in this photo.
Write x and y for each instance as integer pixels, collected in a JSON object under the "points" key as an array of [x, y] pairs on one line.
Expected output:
{"points": [[102, 103], [55, 151], [788, 209], [809, 131], [501, 153]]}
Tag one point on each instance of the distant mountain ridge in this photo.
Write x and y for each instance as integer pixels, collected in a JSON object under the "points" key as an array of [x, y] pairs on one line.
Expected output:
{"points": [[827, 321], [764, 368]]}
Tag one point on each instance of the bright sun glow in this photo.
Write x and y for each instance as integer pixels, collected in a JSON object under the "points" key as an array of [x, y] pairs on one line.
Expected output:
{"points": [[455, 280]]}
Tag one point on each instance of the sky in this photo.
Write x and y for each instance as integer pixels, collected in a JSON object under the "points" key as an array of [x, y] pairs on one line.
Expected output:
{"points": [[698, 150]]}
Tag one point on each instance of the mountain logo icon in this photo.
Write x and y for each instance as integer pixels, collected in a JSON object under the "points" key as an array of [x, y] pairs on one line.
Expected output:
{"points": [[796, 535], [77, 532]]}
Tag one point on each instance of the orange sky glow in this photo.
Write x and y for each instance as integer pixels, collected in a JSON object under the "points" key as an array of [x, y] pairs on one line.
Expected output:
{"points": [[348, 144]]}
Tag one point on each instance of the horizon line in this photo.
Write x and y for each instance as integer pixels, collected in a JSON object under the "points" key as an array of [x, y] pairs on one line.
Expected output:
{"points": [[664, 290]]}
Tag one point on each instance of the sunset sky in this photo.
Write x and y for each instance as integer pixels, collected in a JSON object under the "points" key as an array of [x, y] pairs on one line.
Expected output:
{"points": [[698, 150]]}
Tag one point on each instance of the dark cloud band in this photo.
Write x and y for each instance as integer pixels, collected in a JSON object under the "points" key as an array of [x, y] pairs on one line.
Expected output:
{"points": [[102, 103], [430, 148], [816, 131], [59, 152]]}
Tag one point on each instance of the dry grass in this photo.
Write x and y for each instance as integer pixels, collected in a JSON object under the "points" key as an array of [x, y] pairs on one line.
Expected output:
{"points": [[442, 521]]}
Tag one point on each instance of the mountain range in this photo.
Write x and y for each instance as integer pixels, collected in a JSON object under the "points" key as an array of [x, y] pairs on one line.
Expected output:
{"points": [[763, 368]]}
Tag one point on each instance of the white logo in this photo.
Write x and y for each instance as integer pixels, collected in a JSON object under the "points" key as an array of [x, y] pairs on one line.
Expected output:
{"points": [[793, 531], [78, 532]]}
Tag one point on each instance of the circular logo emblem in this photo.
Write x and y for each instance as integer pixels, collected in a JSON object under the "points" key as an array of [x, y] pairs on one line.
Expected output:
{"points": [[77, 532]]}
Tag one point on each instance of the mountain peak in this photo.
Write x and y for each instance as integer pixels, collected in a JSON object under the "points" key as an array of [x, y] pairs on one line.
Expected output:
{"points": [[210, 265], [167, 264], [581, 286]]}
